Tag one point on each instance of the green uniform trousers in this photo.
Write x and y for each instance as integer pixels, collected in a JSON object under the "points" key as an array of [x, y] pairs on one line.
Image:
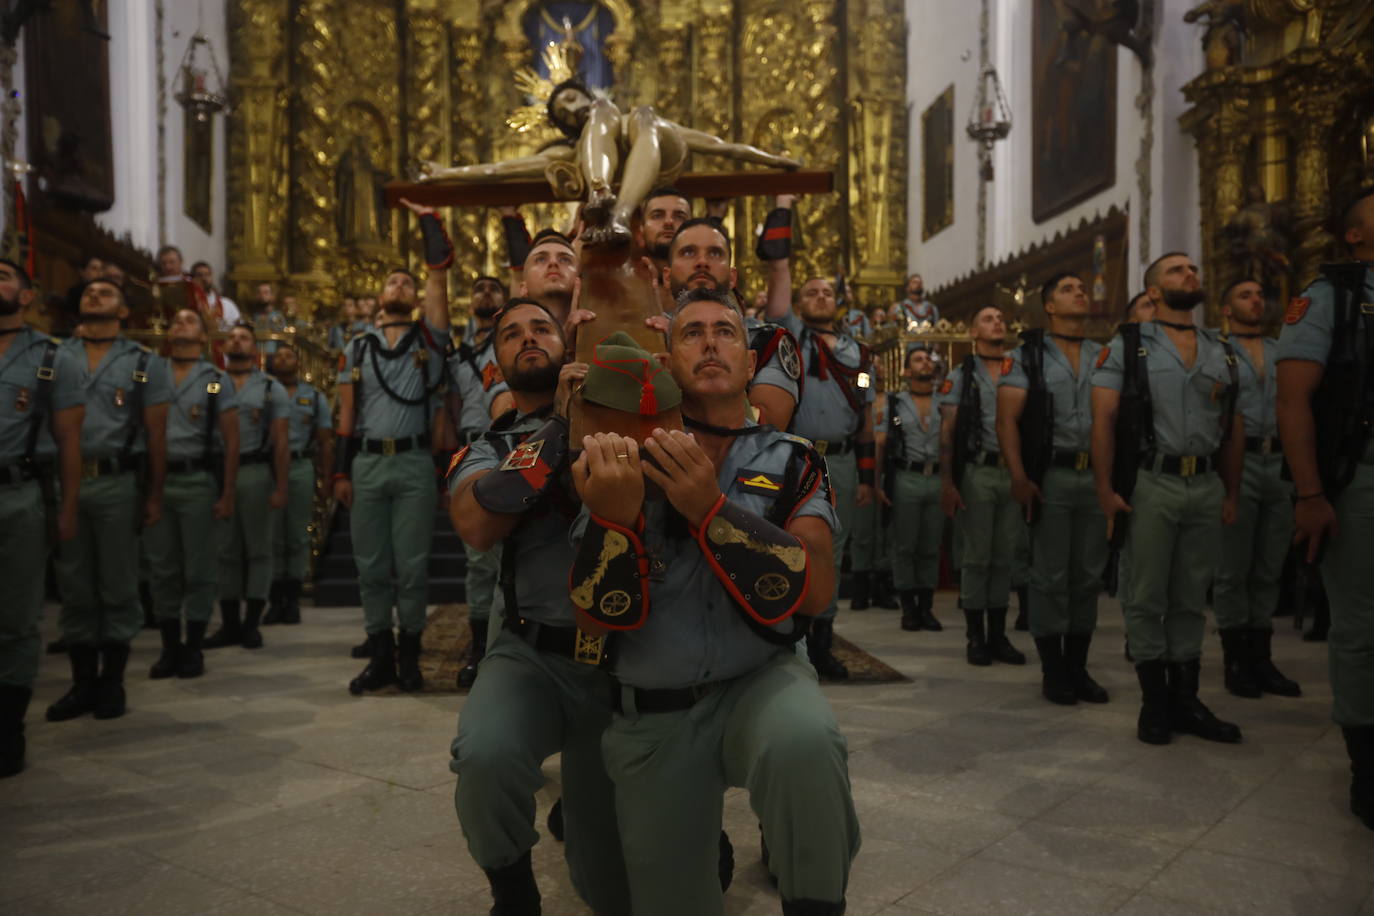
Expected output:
{"points": [[23, 555], [1068, 554], [1345, 573], [392, 521], [97, 571], [183, 548], [291, 523], [482, 575], [1171, 546], [989, 527], [1245, 591], [843, 471], [245, 569], [868, 544], [526, 707], [770, 732], [916, 530], [1021, 557]]}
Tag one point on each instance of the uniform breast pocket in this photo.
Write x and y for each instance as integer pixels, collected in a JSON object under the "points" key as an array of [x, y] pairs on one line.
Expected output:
{"points": [[1210, 385]]}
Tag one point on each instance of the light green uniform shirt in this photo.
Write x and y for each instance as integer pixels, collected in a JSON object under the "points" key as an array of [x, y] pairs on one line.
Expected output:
{"points": [[260, 399], [19, 367], [188, 413], [109, 394], [1071, 393]]}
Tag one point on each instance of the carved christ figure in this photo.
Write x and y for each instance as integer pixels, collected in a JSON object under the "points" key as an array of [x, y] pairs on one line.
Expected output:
{"points": [[601, 138]]}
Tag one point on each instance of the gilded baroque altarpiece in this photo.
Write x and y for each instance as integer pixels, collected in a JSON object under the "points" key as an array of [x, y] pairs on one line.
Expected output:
{"points": [[338, 96]]}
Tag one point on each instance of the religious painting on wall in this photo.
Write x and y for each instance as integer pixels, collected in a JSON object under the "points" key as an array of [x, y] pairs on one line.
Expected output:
{"points": [[68, 106], [1073, 118], [590, 23], [937, 164], [198, 168]]}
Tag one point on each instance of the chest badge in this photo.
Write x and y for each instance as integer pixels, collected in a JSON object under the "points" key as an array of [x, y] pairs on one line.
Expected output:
{"points": [[1218, 389], [119, 397], [524, 457], [257, 415], [23, 400], [195, 412], [864, 380], [421, 357], [304, 402]]}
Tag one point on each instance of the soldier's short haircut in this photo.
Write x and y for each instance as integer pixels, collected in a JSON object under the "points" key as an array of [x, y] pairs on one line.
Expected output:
{"points": [[390, 273], [25, 281], [168, 248], [1152, 272], [199, 264], [548, 235], [704, 294], [1134, 299], [1348, 207], [112, 285], [1231, 288], [497, 280], [664, 191], [204, 325], [1049, 286], [695, 221], [246, 325], [513, 304]]}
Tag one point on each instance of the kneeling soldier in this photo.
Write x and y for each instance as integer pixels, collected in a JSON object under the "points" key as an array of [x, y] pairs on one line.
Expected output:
{"points": [[706, 591], [543, 686]]}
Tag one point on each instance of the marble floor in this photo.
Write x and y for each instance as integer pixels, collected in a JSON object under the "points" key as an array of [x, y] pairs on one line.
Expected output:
{"points": [[264, 788]]}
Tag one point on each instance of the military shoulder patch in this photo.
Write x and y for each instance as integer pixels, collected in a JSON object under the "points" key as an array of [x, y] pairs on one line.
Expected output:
{"points": [[758, 482], [1007, 363], [947, 386], [304, 402], [491, 374], [1297, 308], [523, 457], [458, 457], [1102, 356]]}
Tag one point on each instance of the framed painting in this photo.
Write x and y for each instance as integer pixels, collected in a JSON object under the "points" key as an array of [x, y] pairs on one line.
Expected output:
{"points": [[1073, 113], [937, 165]]}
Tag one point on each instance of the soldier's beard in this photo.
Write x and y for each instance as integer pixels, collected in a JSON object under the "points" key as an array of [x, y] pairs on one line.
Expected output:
{"points": [[659, 251], [397, 307], [538, 380], [924, 379], [1182, 300], [486, 310], [9, 306]]}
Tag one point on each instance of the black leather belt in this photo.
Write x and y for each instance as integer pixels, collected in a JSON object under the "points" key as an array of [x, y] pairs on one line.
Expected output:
{"points": [[1181, 465], [669, 699], [569, 642], [831, 447], [927, 468], [393, 446], [189, 465], [1263, 445], [106, 467], [1074, 461], [255, 458], [988, 460], [14, 473]]}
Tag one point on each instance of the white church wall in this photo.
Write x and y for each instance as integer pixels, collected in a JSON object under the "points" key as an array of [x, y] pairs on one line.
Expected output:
{"points": [[943, 34]]}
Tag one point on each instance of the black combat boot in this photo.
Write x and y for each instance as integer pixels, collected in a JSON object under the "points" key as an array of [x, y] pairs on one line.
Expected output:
{"points": [[977, 651], [109, 689], [362, 649], [274, 604], [555, 819], [381, 670], [513, 890], [1153, 725], [911, 611], [820, 640], [725, 864], [408, 675], [1054, 672], [251, 637], [812, 908], [169, 661], [192, 658], [476, 651], [1001, 648], [884, 592], [861, 598], [1269, 677], [1359, 744], [1076, 647], [1187, 713], [1022, 609], [14, 703], [80, 699], [230, 632], [291, 601], [1235, 652], [925, 600]]}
